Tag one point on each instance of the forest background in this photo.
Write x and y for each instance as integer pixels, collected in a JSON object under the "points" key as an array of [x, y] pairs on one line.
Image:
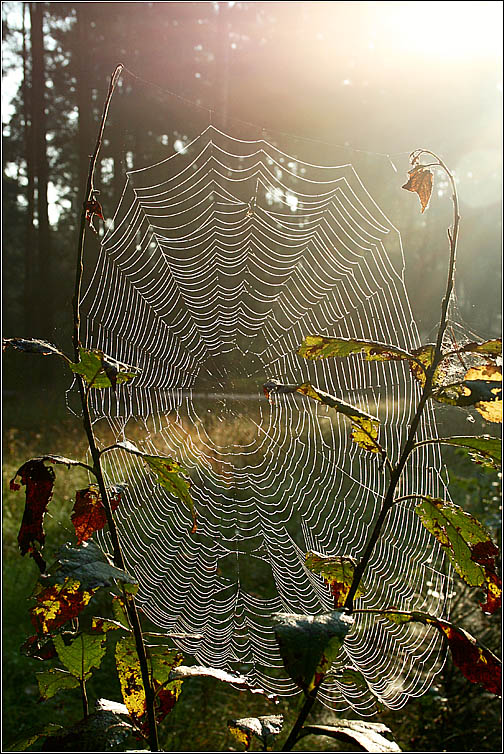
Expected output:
{"points": [[331, 83]]}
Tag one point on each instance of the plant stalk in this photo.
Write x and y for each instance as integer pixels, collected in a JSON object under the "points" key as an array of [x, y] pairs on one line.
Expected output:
{"points": [[409, 445], [303, 714], [86, 419], [426, 392]]}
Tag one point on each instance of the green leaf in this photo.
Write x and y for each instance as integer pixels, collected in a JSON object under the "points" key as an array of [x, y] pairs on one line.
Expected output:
{"points": [[81, 654], [364, 426], [24, 743], [365, 734], [52, 681], [89, 565], [484, 449], [104, 625], [264, 728], [323, 347], [119, 612], [169, 475], [467, 544], [239, 681], [101, 371], [337, 572], [477, 663], [488, 347], [309, 644]]}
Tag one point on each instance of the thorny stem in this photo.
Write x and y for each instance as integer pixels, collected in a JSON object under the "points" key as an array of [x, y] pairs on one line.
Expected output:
{"points": [[396, 473], [95, 453]]}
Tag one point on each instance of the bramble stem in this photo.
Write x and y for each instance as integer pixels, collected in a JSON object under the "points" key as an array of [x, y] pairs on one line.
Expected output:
{"points": [[86, 419], [426, 391]]}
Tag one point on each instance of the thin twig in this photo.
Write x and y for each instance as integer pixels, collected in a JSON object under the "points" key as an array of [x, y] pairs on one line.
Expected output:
{"points": [[86, 418]]}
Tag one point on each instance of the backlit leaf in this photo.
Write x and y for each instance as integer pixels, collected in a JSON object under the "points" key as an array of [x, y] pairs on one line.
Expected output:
{"points": [[323, 347], [490, 409], [161, 661], [484, 394], [169, 475], [488, 347], [420, 181], [264, 728], [88, 564], [425, 354], [119, 611], [50, 682], [484, 449], [23, 744], [88, 513], [337, 571], [467, 544], [130, 677], [368, 736], [476, 662], [57, 604], [81, 654], [239, 681], [101, 371], [39, 482], [364, 426], [104, 625], [309, 644]]}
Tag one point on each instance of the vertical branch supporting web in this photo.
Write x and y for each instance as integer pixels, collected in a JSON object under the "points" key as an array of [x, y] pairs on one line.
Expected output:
{"points": [[219, 261]]}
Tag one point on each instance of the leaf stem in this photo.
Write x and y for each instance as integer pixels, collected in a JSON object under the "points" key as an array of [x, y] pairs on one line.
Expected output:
{"points": [[95, 453]]}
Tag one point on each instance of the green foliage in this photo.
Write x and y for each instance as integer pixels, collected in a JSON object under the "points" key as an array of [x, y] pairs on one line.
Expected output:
{"points": [[467, 543], [169, 475], [101, 371], [364, 426]]}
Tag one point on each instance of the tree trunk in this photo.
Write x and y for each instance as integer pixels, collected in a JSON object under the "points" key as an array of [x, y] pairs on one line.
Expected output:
{"points": [[84, 97], [43, 281], [29, 240]]}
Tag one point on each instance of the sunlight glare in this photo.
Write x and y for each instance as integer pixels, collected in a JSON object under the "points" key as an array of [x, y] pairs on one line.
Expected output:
{"points": [[446, 29]]}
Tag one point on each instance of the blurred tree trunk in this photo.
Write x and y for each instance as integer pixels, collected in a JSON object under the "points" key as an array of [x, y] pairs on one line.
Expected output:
{"points": [[84, 96], [29, 241], [222, 73], [43, 281]]}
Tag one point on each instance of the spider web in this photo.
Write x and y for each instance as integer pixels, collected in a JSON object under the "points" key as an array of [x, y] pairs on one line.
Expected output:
{"points": [[219, 261]]}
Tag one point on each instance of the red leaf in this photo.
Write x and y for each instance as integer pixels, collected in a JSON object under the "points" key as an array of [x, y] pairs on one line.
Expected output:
{"points": [[420, 181], [38, 648], [57, 604], [89, 513], [477, 663], [93, 208], [39, 482], [485, 553]]}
